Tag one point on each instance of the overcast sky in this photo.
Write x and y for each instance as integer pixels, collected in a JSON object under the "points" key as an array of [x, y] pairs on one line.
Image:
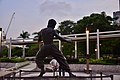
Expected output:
{"points": [[32, 15]]}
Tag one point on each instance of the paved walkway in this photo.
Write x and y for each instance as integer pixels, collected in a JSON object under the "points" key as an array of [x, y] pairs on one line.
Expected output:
{"points": [[32, 66], [116, 77]]}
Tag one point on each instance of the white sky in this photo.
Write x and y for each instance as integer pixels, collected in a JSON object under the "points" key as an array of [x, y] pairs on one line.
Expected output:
{"points": [[32, 15]]}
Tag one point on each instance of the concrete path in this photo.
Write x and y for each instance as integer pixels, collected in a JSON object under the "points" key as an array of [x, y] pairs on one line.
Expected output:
{"points": [[32, 66], [116, 77]]}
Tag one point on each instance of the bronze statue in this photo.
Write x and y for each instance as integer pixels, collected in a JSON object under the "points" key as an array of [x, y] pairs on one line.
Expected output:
{"points": [[49, 49]]}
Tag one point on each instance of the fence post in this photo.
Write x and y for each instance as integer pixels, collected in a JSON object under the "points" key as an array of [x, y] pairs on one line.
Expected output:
{"points": [[101, 75], [91, 75], [14, 75], [111, 76], [20, 74]]}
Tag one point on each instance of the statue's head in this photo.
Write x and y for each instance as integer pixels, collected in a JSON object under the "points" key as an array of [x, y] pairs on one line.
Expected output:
{"points": [[51, 23]]}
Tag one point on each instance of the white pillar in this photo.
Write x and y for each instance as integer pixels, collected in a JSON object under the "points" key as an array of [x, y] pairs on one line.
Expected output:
{"points": [[87, 55], [75, 48], [98, 45], [23, 50], [87, 42]]}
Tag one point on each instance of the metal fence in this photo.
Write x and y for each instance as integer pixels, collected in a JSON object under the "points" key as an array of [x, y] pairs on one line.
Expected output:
{"points": [[13, 76]]}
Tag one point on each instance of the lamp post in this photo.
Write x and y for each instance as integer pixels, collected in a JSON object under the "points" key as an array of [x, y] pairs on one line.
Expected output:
{"points": [[87, 55], [75, 48], [98, 45]]}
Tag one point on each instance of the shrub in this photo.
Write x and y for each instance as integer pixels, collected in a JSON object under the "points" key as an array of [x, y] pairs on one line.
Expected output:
{"points": [[104, 61], [82, 60], [12, 60]]}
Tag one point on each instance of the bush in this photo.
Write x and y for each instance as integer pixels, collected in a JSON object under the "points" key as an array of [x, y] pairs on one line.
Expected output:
{"points": [[82, 60], [104, 61], [12, 60], [97, 61]]}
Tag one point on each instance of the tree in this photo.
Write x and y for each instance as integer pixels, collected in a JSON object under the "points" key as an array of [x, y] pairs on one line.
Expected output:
{"points": [[93, 22], [24, 35], [66, 27]]}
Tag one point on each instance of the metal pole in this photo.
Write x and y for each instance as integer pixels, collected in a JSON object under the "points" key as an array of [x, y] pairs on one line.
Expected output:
{"points": [[75, 48], [20, 74], [111, 76], [101, 76], [87, 57], [98, 45]]}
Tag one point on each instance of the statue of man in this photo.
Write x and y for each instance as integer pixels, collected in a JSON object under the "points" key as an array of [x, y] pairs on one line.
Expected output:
{"points": [[49, 49]]}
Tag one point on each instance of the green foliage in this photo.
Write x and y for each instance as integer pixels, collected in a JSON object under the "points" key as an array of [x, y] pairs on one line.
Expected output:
{"points": [[92, 22], [17, 51], [33, 49], [82, 60], [102, 61], [5, 51], [12, 60], [97, 61], [67, 48], [66, 27]]}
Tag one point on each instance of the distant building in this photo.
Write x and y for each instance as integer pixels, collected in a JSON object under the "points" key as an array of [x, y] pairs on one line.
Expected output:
{"points": [[116, 16]]}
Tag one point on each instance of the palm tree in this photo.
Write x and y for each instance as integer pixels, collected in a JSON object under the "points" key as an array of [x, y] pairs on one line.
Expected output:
{"points": [[24, 35]]}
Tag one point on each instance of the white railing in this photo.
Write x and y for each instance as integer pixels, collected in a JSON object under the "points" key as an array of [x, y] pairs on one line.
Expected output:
{"points": [[74, 37]]}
